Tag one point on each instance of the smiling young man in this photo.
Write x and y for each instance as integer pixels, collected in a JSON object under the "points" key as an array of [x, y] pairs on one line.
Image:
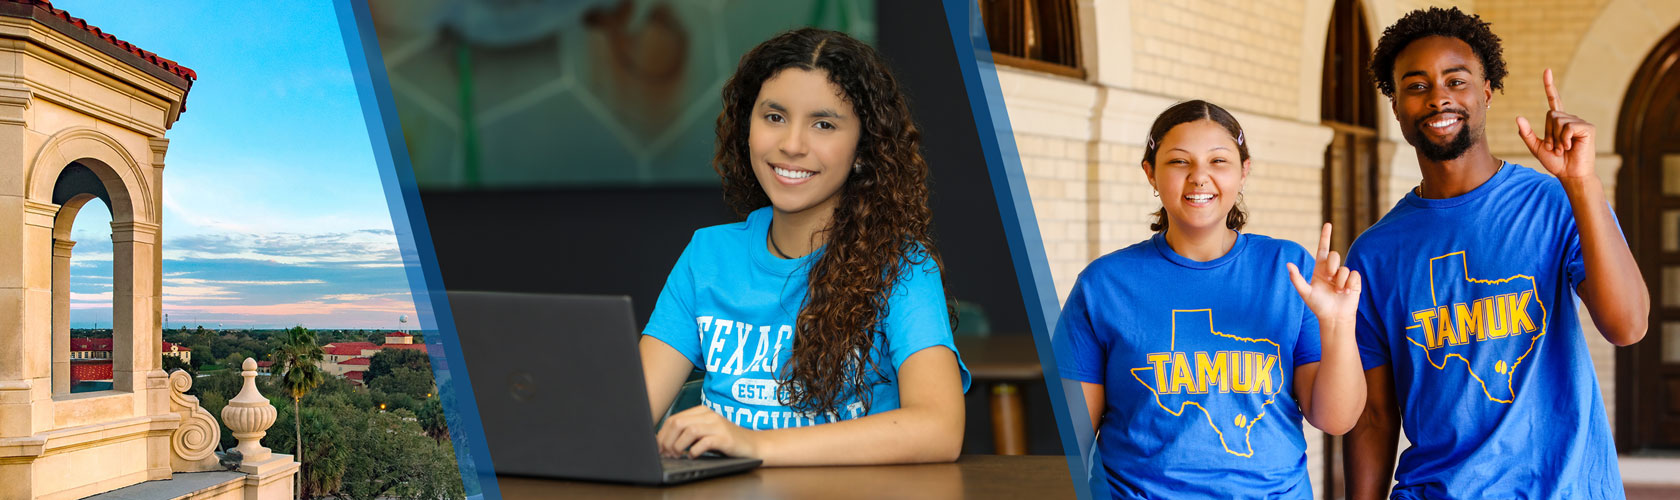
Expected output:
{"points": [[1468, 328]]}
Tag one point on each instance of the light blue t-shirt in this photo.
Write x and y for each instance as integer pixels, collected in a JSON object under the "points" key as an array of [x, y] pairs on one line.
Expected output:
{"points": [[1470, 300], [730, 307], [1197, 362]]}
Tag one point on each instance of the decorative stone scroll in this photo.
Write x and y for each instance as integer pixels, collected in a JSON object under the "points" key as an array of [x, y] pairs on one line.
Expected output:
{"points": [[192, 446], [250, 415]]}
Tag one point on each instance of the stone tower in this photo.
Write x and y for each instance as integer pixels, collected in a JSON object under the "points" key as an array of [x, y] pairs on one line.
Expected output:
{"points": [[83, 116]]}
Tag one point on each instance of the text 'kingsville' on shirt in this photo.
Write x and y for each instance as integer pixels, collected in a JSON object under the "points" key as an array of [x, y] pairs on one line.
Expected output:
{"points": [[730, 307], [1197, 362], [1470, 301]]}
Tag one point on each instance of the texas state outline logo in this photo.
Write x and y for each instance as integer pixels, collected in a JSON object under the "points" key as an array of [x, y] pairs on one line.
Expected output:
{"points": [[1489, 326], [1229, 373]]}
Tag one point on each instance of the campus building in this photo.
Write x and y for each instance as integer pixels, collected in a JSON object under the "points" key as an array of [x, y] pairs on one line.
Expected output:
{"points": [[1084, 82], [83, 116], [351, 359], [86, 348]]}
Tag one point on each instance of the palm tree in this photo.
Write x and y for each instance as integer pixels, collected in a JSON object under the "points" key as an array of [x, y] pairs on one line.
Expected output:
{"points": [[299, 374]]}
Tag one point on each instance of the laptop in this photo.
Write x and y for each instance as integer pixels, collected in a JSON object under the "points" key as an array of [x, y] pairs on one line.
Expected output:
{"points": [[560, 389]]}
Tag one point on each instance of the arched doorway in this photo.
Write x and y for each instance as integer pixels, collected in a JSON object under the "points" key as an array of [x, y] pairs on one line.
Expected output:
{"points": [[1348, 106], [1648, 205]]}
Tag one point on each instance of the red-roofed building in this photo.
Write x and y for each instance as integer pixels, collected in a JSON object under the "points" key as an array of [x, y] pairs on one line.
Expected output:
{"points": [[355, 368], [179, 351], [335, 354], [86, 348], [340, 351], [345, 358]]}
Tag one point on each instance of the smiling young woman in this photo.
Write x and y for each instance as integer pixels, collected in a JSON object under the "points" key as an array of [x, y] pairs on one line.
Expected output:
{"points": [[820, 321], [1196, 363]]}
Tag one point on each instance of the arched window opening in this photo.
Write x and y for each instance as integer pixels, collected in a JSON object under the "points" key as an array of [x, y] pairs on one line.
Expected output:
{"points": [[91, 297]]}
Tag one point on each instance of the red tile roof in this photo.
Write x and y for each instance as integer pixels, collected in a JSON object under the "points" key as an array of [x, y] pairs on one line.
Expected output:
{"points": [[397, 334], [86, 344], [348, 348], [356, 376], [89, 369], [356, 361], [167, 65], [264, 364]]}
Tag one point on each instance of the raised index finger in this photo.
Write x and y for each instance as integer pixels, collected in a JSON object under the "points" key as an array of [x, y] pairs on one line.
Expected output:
{"points": [[1552, 98], [1323, 243]]}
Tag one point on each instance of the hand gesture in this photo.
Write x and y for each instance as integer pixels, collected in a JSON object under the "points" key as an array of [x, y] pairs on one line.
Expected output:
{"points": [[1333, 293], [1567, 148], [692, 432]]}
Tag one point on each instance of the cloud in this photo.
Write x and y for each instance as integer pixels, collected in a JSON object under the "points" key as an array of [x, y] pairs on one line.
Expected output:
{"points": [[190, 281], [349, 278], [377, 265], [362, 247], [303, 308], [100, 300], [350, 297], [88, 297]]}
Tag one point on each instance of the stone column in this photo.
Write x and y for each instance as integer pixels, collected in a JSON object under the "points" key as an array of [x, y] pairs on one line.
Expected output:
{"points": [[61, 316], [158, 146], [35, 325], [138, 345], [18, 416]]}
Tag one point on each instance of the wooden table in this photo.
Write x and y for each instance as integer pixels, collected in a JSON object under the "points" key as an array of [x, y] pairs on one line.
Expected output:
{"points": [[1008, 361], [1039, 477]]}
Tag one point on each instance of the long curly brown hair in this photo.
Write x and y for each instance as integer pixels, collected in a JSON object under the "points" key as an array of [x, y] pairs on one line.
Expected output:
{"points": [[880, 228]]}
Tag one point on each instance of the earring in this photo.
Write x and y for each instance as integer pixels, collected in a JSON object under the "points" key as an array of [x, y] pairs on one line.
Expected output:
{"points": [[857, 168], [1153, 192]]}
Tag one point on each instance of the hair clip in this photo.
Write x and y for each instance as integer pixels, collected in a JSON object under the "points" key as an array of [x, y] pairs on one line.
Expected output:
{"points": [[1149, 141], [1239, 137]]}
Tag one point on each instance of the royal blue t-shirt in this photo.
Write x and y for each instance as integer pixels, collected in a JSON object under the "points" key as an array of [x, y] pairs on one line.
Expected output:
{"points": [[1197, 362], [1470, 300], [729, 306]]}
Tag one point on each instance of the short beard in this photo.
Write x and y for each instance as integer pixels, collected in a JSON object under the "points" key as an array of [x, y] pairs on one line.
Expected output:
{"points": [[1449, 151]]}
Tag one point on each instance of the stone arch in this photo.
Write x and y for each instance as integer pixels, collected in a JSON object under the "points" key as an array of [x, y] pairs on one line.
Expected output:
{"points": [[67, 214], [1602, 69], [73, 166], [131, 198], [1643, 142]]}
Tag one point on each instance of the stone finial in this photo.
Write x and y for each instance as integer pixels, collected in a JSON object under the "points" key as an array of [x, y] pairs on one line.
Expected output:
{"points": [[249, 416]]}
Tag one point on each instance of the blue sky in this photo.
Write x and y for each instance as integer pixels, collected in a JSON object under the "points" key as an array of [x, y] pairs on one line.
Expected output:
{"points": [[273, 211]]}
